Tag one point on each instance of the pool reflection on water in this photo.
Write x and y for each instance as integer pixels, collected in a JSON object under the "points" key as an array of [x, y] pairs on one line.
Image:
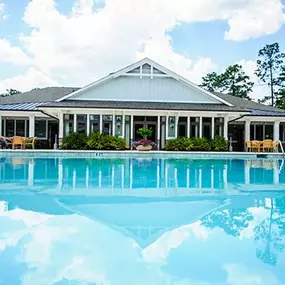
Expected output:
{"points": [[129, 221]]}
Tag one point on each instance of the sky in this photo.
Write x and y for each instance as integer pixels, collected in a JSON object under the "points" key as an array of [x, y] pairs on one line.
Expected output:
{"points": [[75, 42]]}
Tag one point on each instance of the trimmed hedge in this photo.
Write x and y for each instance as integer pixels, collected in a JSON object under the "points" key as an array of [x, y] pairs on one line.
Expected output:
{"points": [[95, 141], [197, 144]]}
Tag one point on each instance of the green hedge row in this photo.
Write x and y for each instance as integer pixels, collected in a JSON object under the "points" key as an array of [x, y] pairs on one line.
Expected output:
{"points": [[95, 141], [197, 144]]}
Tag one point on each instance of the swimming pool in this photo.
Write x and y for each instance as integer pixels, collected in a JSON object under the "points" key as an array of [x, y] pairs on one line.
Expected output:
{"points": [[141, 221]]}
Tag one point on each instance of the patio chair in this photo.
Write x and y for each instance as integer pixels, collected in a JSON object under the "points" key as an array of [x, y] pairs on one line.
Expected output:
{"points": [[248, 146], [18, 141], [267, 145], [255, 146], [30, 142]]}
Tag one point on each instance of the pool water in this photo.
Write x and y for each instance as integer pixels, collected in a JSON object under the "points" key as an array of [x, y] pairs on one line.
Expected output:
{"points": [[142, 221]]}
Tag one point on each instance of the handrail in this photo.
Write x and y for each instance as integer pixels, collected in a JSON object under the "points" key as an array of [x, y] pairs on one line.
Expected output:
{"points": [[281, 146]]}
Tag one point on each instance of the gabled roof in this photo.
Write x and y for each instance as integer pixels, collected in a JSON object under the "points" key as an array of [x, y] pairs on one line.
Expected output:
{"points": [[163, 72], [48, 94]]}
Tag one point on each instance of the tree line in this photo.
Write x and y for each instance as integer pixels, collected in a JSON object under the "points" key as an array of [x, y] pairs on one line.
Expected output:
{"points": [[270, 69]]}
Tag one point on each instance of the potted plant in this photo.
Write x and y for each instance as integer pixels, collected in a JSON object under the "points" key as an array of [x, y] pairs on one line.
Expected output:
{"points": [[144, 144]]}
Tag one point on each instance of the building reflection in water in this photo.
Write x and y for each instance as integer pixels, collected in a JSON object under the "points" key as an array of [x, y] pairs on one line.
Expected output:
{"points": [[149, 177]]}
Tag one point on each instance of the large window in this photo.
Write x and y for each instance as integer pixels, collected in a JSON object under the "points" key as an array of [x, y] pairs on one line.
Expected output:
{"points": [[182, 127], [41, 129], [94, 123], [219, 127], [20, 128], [261, 132], [15, 127], [107, 124], [10, 128], [207, 128], [194, 127], [81, 123], [171, 127], [68, 124]]}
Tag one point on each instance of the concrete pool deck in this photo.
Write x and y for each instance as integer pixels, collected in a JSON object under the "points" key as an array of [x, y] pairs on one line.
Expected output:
{"points": [[136, 154]]}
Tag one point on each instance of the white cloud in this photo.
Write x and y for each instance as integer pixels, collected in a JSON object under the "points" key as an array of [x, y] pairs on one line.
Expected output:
{"points": [[263, 17], [3, 15], [27, 81], [11, 54], [78, 48], [87, 44]]}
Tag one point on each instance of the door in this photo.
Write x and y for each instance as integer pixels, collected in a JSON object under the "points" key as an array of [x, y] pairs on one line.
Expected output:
{"points": [[52, 133]]}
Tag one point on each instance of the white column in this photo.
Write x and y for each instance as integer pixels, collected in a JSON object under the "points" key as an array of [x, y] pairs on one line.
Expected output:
{"points": [[176, 126], [200, 127], [167, 126], [101, 123], [31, 126], [88, 125], [114, 125], [226, 120], [213, 127], [123, 126], [276, 131], [247, 130], [132, 128], [61, 126], [188, 127], [75, 123], [0, 125]]}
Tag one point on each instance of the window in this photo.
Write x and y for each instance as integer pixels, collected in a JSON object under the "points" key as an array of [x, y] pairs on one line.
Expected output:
{"points": [[118, 125], [20, 128], [41, 129], [207, 130], [94, 123], [68, 124], [10, 128], [81, 123], [219, 127], [107, 124], [15, 127], [171, 127], [182, 127], [194, 127], [261, 131]]}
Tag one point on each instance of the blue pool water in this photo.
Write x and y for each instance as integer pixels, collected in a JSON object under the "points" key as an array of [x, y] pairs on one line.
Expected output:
{"points": [[142, 221]]}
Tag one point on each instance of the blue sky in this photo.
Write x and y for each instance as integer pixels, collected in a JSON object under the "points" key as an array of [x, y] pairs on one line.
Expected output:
{"points": [[192, 39]]}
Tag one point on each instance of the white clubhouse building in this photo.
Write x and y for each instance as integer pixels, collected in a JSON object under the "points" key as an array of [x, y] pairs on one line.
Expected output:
{"points": [[142, 94]]}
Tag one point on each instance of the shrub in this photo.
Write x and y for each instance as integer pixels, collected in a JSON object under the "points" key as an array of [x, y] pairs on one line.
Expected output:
{"points": [[97, 141], [179, 144], [75, 141], [219, 144], [200, 144]]}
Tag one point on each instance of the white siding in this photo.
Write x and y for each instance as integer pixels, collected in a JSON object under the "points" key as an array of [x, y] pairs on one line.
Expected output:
{"points": [[158, 89]]}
